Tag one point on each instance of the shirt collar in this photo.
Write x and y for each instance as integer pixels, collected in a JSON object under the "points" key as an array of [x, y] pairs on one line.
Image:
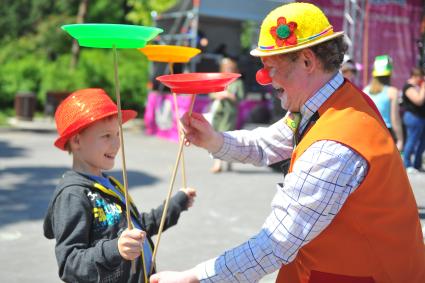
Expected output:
{"points": [[313, 103], [103, 180]]}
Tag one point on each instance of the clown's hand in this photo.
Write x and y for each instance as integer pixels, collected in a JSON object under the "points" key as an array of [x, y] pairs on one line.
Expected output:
{"points": [[187, 276], [200, 133]]}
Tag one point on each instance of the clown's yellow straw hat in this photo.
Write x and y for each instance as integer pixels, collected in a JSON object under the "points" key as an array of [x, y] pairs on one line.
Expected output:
{"points": [[293, 27]]}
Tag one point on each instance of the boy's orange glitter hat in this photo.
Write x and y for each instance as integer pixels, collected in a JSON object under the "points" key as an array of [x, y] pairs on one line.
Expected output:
{"points": [[82, 108]]}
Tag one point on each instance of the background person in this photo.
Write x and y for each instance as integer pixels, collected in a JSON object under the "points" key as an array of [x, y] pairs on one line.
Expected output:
{"points": [[414, 120], [386, 97], [225, 106], [349, 69]]}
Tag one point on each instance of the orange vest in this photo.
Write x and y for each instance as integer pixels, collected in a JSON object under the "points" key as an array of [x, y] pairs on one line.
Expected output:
{"points": [[377, 233]]}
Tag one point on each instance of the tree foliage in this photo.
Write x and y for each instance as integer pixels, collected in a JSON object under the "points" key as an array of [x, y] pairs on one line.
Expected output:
{"points": [[35, 53], [141, 10], [21, 17]]}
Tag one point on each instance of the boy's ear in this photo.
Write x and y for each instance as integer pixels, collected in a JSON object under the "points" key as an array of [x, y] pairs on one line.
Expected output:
{"points": [[75, 142]]}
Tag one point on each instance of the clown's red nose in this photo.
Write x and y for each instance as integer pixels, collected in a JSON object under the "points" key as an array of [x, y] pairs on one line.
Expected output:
{"points": [[263, 77]]}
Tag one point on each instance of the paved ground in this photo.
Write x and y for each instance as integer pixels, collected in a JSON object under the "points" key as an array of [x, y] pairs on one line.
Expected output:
{"points": [[230, 207]]}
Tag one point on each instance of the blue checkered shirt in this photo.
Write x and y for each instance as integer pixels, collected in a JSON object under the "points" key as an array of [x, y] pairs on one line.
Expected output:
{"points": [[305, 203]]}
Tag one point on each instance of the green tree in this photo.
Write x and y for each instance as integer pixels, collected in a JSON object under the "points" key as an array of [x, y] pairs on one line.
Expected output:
{"points": [[141, 10], [248, 35], [21, 17], [36, 54]]}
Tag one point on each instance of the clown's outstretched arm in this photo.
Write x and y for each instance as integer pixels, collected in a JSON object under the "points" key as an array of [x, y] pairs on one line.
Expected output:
{"points": [[187, 276], [261, 146]]}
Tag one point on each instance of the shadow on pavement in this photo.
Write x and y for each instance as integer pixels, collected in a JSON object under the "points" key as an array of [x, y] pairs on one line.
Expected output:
{"points": [[7, 150], [26, 191]]}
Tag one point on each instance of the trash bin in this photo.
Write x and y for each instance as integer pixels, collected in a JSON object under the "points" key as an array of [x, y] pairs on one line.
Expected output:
{"points": [[25, 105], [53, 99]]}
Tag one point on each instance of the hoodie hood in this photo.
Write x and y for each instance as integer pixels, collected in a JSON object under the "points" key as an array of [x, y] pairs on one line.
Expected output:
{"points": [[70, 180]]}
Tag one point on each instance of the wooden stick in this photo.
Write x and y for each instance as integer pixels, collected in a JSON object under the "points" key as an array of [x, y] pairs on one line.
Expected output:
{"points": [[170, 189], [176, 110], [179, 130], [143, 264], [124, 168]]}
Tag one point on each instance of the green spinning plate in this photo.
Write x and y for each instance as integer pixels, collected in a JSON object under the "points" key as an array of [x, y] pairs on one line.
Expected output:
{"points": [[110, 35]]}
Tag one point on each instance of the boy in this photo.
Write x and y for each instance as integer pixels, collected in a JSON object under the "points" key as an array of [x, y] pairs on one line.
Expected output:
{"points": [[86, 215]]}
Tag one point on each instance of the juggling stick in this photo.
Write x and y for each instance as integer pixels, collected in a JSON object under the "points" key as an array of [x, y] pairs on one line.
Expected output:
{"points": [[179, 130], [172, 54], [170, 189], [190, 83], [124, 168]]}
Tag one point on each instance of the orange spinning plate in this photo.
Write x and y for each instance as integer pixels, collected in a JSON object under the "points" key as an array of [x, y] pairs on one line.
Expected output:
{"points": [[169, 53], [197, 83]]}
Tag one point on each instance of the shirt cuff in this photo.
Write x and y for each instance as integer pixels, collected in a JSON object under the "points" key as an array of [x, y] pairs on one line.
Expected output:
{"points": [[111, 253], [224, 148], [206, 270], [181, 199]]}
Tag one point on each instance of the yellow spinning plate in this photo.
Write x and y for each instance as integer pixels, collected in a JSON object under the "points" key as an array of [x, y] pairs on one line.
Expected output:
{"points": [[169, 53]]}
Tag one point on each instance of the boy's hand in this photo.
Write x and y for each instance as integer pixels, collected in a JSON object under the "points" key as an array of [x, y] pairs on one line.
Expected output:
{"points": [[191, 194], [130, 242]]}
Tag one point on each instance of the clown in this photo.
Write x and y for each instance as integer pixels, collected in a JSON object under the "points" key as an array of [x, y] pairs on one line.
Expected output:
{"points": [[345, 211]]}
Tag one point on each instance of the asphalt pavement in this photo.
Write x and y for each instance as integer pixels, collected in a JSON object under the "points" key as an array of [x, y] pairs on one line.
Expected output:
{"points": [[230, 207]]}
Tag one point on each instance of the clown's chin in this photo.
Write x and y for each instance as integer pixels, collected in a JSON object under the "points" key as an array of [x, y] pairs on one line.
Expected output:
{"points": [[283, 98]]}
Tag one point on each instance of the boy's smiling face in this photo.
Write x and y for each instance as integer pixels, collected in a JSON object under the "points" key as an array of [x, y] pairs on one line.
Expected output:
{"points": [[94, 149]]}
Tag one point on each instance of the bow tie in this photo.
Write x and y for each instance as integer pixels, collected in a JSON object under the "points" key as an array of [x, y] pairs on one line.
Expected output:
{"points": [[293, 121]]}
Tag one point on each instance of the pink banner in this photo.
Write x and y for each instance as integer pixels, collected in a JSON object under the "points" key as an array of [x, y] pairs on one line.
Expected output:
{"points": [[160, 116], [394, 28]]}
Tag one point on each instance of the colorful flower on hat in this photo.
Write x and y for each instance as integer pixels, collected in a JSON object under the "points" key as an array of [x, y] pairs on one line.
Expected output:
{"points": [[283, 33]]}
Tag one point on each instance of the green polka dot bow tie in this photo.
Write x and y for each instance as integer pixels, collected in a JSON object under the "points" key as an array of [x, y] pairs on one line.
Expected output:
{"points": [[293, 122]]}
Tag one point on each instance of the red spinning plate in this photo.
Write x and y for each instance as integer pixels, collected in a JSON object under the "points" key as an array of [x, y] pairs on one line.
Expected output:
{"points": [[197, 83]]}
